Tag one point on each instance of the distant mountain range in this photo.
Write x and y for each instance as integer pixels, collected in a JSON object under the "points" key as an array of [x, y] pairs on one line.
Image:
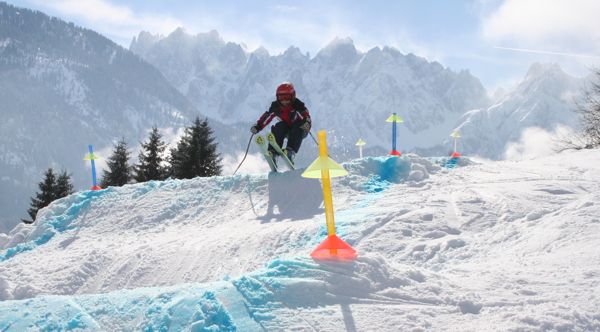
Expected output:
{"points": [[544, 99], [351, 93], [63, 87], [348, 92]]}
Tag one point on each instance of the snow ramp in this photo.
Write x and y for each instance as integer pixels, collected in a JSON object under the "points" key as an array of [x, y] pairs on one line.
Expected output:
{"points": [[483, 247]]}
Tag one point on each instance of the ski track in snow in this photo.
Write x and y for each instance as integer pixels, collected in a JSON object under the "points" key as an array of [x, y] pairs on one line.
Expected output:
{"points": [[493, 246]]}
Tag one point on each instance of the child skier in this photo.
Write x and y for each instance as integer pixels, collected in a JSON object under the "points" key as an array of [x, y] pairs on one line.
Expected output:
{"points": [[294, 120]]}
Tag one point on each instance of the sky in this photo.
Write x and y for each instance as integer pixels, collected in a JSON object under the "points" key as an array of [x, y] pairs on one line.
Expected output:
{"points": [[496, 40]]}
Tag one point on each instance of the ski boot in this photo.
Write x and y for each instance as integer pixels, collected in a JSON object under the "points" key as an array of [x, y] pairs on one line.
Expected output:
{"points": [[290, 154]]}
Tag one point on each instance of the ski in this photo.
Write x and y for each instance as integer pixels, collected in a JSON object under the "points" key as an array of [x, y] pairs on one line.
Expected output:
{"points": [[262, 144], [271, 139]]}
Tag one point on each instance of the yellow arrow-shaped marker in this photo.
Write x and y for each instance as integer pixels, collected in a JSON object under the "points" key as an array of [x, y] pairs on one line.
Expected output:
{"points": [[323, 166], [360, 144], [394, 118], [91, 156]]}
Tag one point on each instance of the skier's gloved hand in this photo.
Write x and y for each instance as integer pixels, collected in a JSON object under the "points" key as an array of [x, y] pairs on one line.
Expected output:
{"points": [[254, 129], [305, 127]]}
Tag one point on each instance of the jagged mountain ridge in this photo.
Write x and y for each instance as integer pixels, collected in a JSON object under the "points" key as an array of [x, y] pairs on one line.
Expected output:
{"points": [[63, 87], [349, 92], [545, 99]]}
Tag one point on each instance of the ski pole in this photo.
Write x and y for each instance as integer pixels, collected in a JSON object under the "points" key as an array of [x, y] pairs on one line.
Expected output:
{"points": [[317, 143], [246, 154], [311, 135]]}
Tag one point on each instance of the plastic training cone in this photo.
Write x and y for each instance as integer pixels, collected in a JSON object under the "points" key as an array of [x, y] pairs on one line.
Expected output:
{"points": [[334, 248], [324, 167], [395, 118], [314, 171]]}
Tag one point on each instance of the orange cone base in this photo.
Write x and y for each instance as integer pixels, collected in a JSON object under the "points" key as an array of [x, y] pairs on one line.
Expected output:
{"points": [[96, 188], [455, 155], [334, 248], [395, 153]]}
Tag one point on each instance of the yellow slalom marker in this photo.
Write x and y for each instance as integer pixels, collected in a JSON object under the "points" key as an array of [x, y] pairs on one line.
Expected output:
{"points": [[456, 135], [360, 144], [325, 168]]}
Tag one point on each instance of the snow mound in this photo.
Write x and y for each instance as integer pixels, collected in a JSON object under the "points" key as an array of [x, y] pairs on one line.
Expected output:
{"points": [[55, 220], [3, 240], [276, 292], [489, 246], [190, 308], [392, 169], [266, 299]]}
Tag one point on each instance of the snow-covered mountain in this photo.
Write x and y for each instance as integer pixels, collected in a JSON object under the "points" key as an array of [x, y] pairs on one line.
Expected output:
{"points": [[350, 93], [544, 99], [63, 87], [485, 247]]}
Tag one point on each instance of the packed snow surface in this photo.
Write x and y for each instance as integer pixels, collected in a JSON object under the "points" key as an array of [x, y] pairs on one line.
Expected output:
{"points": [[465, 246]]}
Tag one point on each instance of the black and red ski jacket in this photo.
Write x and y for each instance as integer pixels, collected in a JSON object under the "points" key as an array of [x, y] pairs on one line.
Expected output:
{"points": [[294, 112]]}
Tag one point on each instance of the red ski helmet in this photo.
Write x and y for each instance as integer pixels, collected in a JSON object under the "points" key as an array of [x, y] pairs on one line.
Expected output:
{"points": [[285, 89]]}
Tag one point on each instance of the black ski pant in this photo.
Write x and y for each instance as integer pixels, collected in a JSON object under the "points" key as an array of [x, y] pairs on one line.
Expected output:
{"points": [[294, 134]]}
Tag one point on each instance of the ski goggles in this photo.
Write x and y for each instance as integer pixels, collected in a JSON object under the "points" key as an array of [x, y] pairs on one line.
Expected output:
{"points": [[283, 97]]}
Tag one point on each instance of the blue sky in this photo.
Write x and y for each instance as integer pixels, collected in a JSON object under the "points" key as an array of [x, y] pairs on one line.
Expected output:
{"points": [[496, 40]]}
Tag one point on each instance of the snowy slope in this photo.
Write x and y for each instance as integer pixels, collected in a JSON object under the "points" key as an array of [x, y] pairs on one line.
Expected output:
{"points": [[492, 246]]}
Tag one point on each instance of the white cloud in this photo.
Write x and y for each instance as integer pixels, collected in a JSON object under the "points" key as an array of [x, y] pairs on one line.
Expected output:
{"points": [[536, 142], [118, 22], [277, 30], [271, 27], [559, 25], [285, 9]]}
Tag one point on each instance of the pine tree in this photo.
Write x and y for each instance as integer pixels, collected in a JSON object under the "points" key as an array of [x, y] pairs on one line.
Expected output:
{"points": [[196, 153], [151, 159], [181, 158], [51, 189], [44, 197], [119, 171], [210, 158], [64, 186]]}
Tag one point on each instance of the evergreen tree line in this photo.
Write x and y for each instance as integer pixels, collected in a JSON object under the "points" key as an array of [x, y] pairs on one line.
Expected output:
{"points": [[53, 187], [195, 155]]}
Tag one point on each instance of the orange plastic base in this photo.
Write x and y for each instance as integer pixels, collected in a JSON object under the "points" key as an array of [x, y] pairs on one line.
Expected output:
{"points": [[455, 155], [96, 188], [334, 248], [395, 153]]}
